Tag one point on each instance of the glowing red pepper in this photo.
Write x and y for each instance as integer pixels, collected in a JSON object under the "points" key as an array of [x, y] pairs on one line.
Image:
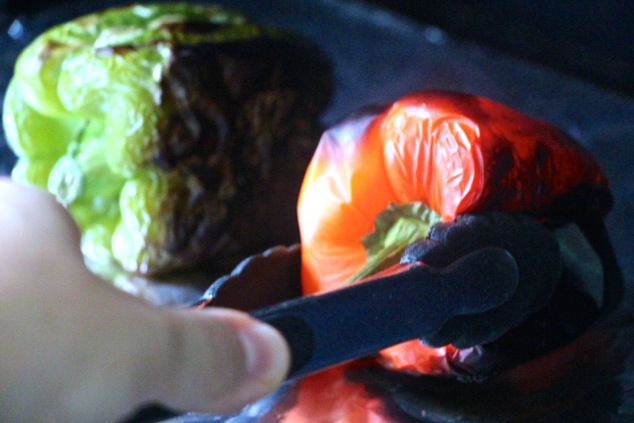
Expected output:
{"points": [[454, 153]]}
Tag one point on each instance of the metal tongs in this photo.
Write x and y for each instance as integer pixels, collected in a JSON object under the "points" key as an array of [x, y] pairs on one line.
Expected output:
{"points": [[409, 302], [403, 303]]}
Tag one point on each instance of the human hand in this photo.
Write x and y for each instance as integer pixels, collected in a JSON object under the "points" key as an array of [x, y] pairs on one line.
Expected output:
{"points": [[75, 349]]}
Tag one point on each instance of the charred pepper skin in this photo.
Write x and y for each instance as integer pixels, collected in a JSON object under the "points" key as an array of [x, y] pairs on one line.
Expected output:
{"points": [[169, 131]]}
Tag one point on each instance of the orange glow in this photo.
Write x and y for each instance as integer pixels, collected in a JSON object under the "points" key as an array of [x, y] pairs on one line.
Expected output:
{"points": [[339, 200], [415, 357], [327, 397]]}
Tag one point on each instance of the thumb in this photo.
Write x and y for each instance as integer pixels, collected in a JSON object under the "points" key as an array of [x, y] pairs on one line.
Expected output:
{"points": [[79, 350], [218, 360], [126, 354]]}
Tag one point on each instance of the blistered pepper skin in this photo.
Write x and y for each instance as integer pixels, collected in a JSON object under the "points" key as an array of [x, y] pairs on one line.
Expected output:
{"points": [[460, 153], [455, 153], [175, 134]]}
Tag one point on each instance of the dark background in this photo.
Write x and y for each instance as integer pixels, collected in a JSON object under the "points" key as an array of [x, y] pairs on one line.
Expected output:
{"points": [[593, 40]]}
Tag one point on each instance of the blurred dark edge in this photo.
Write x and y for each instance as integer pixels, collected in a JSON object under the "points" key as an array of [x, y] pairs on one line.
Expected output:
{"points": [[591, 40], [588, 39]]}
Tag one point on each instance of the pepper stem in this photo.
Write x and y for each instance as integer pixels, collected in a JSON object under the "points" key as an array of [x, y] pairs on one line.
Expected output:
{"points": [[396, 228]]}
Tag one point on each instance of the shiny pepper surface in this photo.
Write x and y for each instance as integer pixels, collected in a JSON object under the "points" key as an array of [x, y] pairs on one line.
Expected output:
{"points": [[454, 153]]}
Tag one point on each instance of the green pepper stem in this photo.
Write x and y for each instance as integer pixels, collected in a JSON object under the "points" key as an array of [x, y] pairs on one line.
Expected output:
{"points": [[396, 228]]}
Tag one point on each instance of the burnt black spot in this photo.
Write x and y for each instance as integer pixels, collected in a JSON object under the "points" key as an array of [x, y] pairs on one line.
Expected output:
{"points": [[501, 185], [192, 27]]}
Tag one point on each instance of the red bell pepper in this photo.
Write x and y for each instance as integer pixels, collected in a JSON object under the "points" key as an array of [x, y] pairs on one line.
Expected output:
{"points": [[380, 179], [451, 153]]}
